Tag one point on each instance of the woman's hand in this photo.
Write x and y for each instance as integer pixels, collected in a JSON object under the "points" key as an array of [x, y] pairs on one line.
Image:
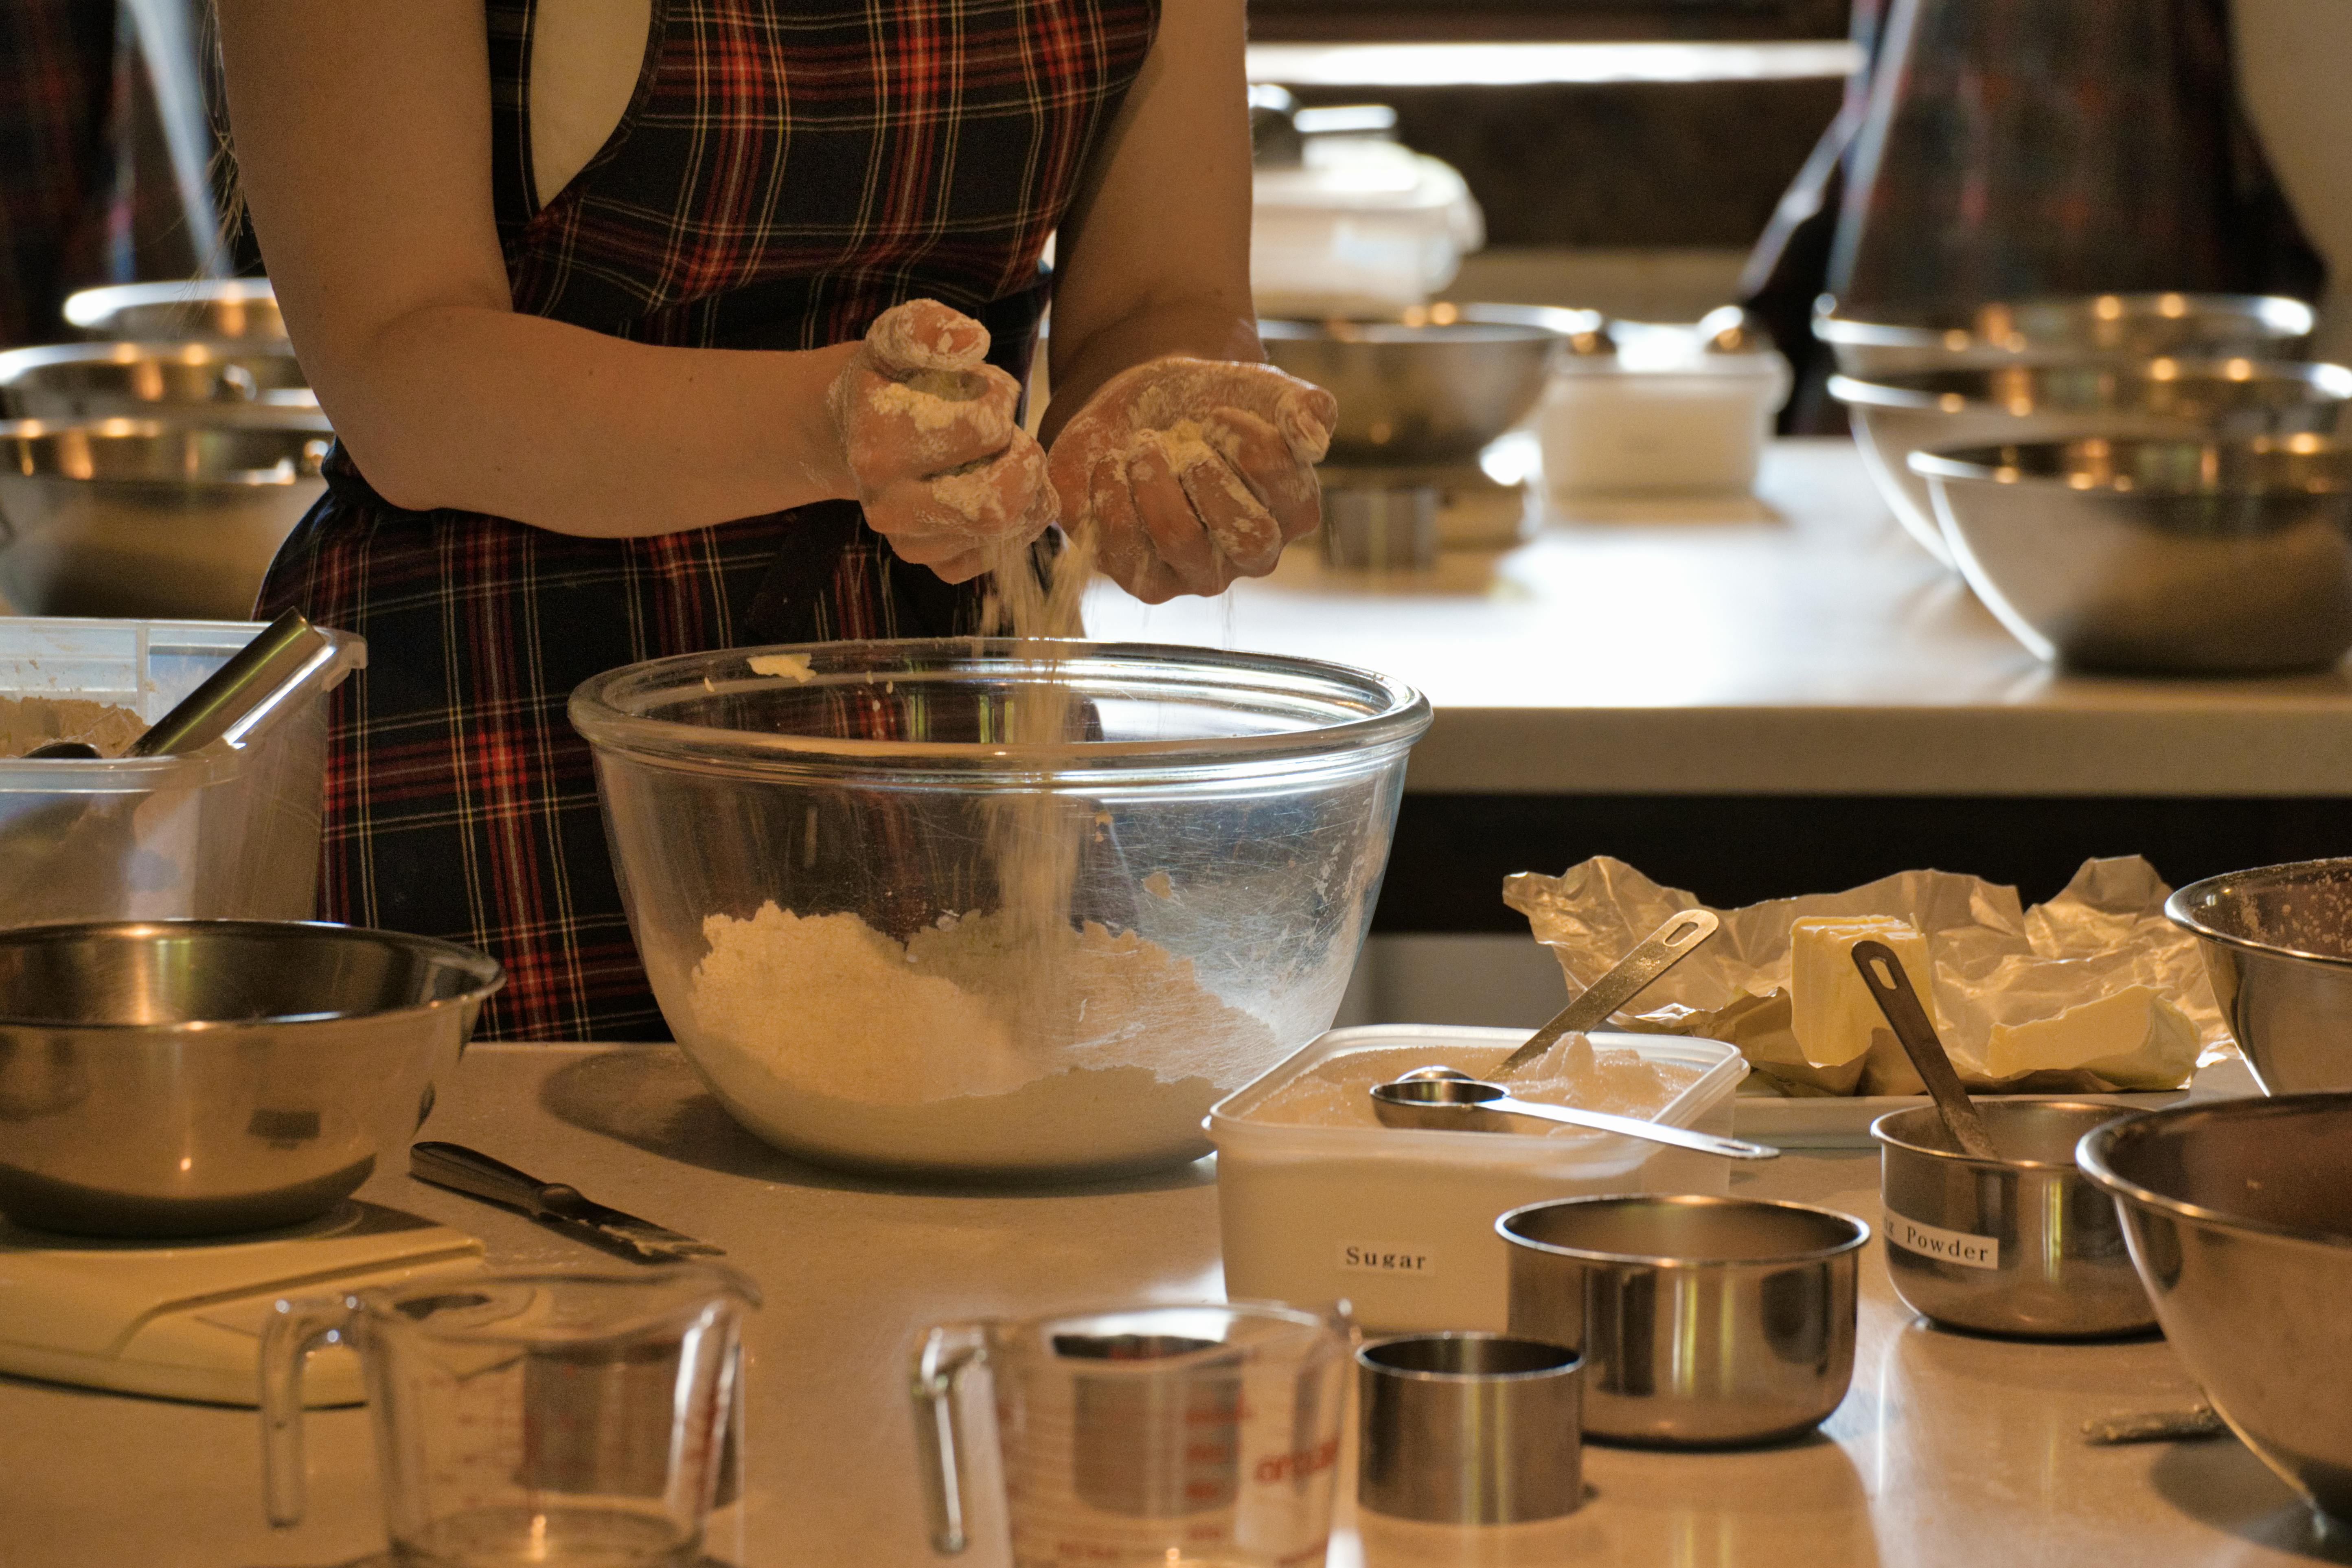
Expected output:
{"points": [[1192, 472], [931, 436]]}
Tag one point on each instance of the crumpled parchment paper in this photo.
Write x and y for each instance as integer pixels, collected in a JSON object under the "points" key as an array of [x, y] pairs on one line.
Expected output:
{"points": [[1997, 965]]}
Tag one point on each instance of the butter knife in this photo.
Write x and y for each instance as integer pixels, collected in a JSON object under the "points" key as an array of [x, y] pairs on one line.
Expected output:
{"points": [[553, 1204]]}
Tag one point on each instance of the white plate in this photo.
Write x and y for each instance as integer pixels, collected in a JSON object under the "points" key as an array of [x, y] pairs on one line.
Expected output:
{"points": [[1831, 1122]]}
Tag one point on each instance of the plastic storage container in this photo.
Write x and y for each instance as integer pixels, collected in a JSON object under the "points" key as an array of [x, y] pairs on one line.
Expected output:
{"points": [[815, 845], [1400, 1222], [1660, 415], [230, 830]]}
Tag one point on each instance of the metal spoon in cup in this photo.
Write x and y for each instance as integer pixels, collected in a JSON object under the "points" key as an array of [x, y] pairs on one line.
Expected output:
{"points": [[1881, 972]]}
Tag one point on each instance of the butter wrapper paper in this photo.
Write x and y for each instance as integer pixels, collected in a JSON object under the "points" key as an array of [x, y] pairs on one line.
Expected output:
{"points": [[2095, 991]]}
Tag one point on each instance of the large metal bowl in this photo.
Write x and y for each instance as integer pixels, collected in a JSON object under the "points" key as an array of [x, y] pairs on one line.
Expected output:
{"points": [[210, 383], [2168, 557], [190, 1078], [1878, 341], [145, 519], [2239, 1216], [1432, 387], [244, 309], [2277, 943], [1895, 416]]}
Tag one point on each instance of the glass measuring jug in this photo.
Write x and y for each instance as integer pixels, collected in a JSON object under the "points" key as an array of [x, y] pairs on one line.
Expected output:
{"points": [[1181, 1437], [560, 1416]]}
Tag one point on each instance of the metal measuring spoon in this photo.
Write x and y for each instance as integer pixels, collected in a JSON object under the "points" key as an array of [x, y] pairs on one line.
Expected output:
{"points": [[1627, 978], [1881, 972], [1458, 1104]]}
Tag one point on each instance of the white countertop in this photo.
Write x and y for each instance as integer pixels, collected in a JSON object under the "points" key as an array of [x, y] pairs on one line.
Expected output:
{"points": [[1950, 1450], [1798, 643]]}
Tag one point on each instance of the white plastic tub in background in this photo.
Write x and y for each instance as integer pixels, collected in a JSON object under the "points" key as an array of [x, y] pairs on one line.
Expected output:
{"points": [[1400, 1222], [228, 831]]}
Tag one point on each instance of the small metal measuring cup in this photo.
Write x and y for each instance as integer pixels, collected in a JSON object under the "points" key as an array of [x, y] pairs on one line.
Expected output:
{"points": [[527, 1417], [1469, 1429]]}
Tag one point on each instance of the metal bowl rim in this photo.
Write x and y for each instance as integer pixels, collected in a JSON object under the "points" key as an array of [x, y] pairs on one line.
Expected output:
{"points": [[1832, 324], [1686, 1200], [1974, 464], [1544, 321], [2177, 911], [88, 308], [2091, 1156], [1573, 1366], [2325, 379], [136, 351], [489, 974], [1888, 1139]]}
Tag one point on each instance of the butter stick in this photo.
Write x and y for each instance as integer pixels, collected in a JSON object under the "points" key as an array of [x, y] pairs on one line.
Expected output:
{"points": [[1832, 1014]]}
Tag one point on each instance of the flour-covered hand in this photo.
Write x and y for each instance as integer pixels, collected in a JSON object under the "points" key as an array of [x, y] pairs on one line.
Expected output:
{"points": [[1192, 472], [932, 438]]}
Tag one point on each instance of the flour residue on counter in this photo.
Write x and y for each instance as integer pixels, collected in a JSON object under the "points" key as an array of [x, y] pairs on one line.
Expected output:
{"points": [[977, 1035], [1338, 1092]]}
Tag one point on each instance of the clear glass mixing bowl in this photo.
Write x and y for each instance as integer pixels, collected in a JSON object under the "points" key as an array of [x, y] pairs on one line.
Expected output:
{"points": [[898, 925]]}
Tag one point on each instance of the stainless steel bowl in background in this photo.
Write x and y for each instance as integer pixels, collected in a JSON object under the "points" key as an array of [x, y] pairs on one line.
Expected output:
{"points": [[146, 518], [190, 1078], [2239, 1215], [210, 383], [2277, 943], [241, 309], [1703, 1322], [1872, 341], [1895, 416], [2156, 556], [1432, 387], [2020, 1246]]}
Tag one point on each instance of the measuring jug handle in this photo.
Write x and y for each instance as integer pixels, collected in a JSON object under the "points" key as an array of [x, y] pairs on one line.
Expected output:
{"points": [[943, 1356], [295, 1330]]}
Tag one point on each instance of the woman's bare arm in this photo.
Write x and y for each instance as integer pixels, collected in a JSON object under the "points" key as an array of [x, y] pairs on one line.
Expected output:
{"points": [[1154, 258], [362, 136]]}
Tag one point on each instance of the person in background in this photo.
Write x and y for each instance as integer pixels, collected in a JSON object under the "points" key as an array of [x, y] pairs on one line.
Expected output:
{"points": [[655, 326]]}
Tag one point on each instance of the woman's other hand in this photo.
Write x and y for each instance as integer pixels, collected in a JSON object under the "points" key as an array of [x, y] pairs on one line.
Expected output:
{"points": [[1192, 472], [932, 437]]}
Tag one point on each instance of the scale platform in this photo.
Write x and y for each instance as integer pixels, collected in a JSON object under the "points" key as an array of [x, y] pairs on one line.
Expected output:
{"points": [[184, 1320]]}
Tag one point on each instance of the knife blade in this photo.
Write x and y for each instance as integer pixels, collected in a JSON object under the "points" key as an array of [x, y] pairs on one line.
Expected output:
{"points": [[555, 1204]]}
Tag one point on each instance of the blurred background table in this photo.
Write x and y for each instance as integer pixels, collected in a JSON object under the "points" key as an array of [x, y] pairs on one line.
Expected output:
{"points": [[1949, 1450]]}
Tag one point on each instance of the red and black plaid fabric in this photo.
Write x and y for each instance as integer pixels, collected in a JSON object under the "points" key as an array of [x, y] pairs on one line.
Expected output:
{"points": [[786, 171]]}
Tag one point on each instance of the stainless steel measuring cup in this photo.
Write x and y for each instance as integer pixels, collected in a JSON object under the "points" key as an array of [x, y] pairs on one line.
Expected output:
{"points": [[1158, 1435], [527, 1417]]}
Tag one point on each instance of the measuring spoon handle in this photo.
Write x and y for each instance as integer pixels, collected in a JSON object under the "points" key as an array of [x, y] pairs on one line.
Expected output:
{"points": [[1634, 1127]]}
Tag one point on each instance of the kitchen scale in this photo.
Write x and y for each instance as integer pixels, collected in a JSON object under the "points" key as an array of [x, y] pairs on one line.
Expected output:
{"points": [[184, 1319]]}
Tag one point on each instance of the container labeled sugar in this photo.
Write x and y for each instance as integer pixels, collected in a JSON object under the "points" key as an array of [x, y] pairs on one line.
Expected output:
{"points": [[1317, 1201]]}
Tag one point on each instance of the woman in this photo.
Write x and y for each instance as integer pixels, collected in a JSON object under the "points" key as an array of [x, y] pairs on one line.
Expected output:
{"points": [[650, 328]]}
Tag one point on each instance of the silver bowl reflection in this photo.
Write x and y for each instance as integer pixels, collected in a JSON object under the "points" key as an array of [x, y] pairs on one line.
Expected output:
{"points": [[1703, 1322], [211, 384], [244, 309], [2019, 1245], [2240, 1220], [1432, 386], [188, 1078], [2277, 943], [142, 518], [1895, 416], [1878, 341], [2156, 556]]}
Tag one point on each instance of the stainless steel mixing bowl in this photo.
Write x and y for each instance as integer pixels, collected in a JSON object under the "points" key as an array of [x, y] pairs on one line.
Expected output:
{"points": [[2168, 557], [1432, 387], [2277, 943], [1875, 342], [190, 1078], [2240, 1220], [1895, 416], [140, 518], [2020, 1246], [208, 383], [245, 309], [1703, 1322]]}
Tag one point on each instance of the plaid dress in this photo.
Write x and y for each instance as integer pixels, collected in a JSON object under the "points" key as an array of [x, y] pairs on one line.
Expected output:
{"points": [[786, 171]]}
